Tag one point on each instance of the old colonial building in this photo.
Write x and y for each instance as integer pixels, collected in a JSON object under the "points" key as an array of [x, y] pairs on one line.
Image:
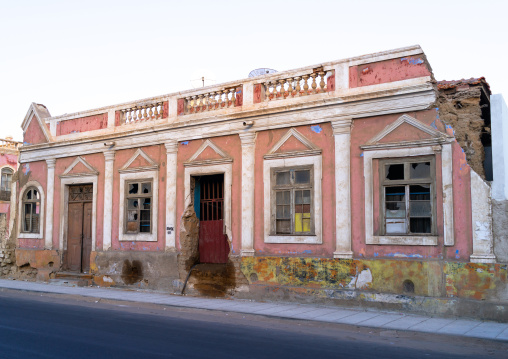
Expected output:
{"points": [[339, 181]]}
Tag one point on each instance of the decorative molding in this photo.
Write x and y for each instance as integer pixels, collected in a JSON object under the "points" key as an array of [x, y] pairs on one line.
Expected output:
{"points": [[109, 155], [342, 126], [51, 162], [191, 162], [292, 154], [79, 159], [293, 132], [437, 137], [171, 146], [151, 167], [401, 99], [248, 138], [33, 111]]}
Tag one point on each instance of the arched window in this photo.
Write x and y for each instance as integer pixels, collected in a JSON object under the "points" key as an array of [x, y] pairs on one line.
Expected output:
{"points": [[31, 210], [6, 179]]}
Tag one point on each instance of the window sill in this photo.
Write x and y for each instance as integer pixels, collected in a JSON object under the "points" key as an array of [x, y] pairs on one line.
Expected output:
{"points": [[30, 235], [404, 240], [138, 237], [309, 239]]}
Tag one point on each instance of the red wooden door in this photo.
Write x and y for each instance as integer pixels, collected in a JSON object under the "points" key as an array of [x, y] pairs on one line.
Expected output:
{"points": [[79, 232], [213, 243]]}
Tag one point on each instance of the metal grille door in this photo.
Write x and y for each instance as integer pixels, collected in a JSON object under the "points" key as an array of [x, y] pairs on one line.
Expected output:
{"points": [[213, 243]]}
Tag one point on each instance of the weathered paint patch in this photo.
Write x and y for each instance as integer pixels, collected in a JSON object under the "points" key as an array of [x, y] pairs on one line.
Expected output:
{"points": [[185, 143]]}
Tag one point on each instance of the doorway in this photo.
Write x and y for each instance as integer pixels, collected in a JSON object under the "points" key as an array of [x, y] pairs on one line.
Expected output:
{"points": [[79, 233], [209, 208]]}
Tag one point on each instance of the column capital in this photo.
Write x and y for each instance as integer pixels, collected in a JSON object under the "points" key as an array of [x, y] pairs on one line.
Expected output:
{"points": [[51, 162], [109, 155], [248, 138], [171, 146], [342, 126]]}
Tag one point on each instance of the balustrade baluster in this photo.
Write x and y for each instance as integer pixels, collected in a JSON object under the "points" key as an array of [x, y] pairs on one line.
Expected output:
{"points": [[150, 112], [143, 113], [199, 103], [226, 99], [160, 108], [314, 84], [322, 83], [297, 83], [233, 96], [194, 103], [211, 100], [290, 86], [282, 89], [267, 90], [305, 84]]}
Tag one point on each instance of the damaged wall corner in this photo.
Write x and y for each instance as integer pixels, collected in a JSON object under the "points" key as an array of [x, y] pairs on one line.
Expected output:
{"points": [[465, 106], [189, 241]]}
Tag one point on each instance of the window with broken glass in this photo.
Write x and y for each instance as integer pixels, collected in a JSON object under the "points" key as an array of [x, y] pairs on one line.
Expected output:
{"points": [[139, 207], [292, 205], [5, 186], [31, 210], [407, 196]]}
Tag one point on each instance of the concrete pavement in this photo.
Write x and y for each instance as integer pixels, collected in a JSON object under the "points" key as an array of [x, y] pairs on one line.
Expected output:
{"points": [[359, 317]]}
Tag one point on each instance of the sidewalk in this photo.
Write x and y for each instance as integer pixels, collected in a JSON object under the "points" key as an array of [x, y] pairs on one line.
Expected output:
{"points": [[367, 318]]}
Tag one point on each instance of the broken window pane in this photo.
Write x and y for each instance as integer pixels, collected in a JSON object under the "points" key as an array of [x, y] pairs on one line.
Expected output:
{"points": [[419, 192], [133, 188], [395, 172], [146, 203], [419, 170], [395, 193], [395, 210], [146, 187], [132, 226], [420, 225], [132, 203], [132, 215]]}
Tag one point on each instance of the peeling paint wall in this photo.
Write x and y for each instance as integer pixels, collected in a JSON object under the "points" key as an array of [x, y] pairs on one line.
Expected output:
{"points": [[82, 124], [429, 278]]}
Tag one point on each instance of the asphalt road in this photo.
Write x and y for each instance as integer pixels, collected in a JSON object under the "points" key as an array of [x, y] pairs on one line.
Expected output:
{"points": [[51, 326]]}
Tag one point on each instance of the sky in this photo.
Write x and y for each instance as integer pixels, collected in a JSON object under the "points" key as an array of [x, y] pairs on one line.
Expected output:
{"points": [[78, 55]]}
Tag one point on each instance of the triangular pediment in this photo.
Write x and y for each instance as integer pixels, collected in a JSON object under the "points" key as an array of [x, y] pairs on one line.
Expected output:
{"points": [[80, 167], [293, 144], [207, 154], [407, 131], [34, 126], [139, 161]]}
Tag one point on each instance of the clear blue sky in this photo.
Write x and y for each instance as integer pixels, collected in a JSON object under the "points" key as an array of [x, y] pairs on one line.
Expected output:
{"points": [[73, 56]]}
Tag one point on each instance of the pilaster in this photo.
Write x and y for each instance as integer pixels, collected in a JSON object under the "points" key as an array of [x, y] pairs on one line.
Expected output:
{"points": [[109, 157], [248, 140], [171, 168], [342, 136], [50, 189]]}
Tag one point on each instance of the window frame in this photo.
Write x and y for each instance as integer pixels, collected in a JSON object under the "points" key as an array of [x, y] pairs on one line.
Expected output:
{"points": [[293, 161], [137, 196], [22, 192], [291, 187], [406, 182], [138, 175], [10, 172]]}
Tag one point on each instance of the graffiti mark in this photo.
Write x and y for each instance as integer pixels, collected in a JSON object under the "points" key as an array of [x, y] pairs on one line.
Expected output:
{"points": [[412, 60]]}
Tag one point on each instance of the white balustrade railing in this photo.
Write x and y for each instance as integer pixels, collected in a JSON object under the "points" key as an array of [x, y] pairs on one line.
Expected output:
{"points": [[213, 100], [10, 144], [142, 113], [307, 84]]}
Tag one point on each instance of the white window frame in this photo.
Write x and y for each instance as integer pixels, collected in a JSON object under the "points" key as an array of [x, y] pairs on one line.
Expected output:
{"points": [[40, 234], [139, 176], [289, 162], [447, 186]]}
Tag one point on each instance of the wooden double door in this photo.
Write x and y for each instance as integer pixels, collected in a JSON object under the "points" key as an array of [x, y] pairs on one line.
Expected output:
{"points": [[209, 207], [79, 231]]}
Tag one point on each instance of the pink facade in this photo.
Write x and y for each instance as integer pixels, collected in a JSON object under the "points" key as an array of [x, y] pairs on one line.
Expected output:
{"points": [[336, 123]]}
